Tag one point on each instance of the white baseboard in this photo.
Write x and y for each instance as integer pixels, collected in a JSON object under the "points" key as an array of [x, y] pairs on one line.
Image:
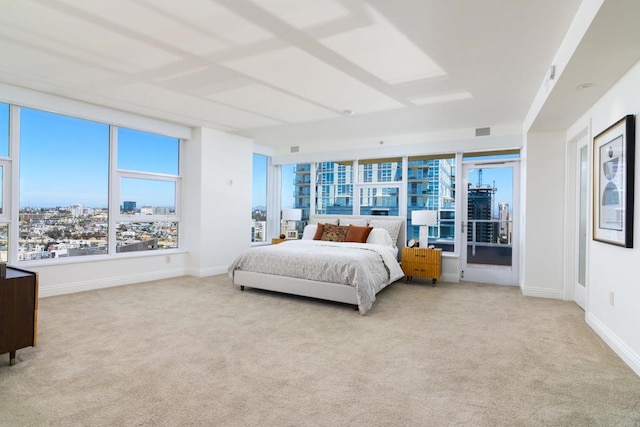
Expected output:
{"points": [[542, 292], [211, 271], [450, 277], [88, 285], [628, 355]]}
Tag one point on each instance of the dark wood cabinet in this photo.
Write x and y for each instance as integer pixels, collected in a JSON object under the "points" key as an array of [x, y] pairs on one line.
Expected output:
{"points": [[18, 311]]}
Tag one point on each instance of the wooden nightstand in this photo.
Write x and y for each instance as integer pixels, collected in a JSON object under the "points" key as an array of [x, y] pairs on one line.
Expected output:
{"points": [[275, 241], [422, 262]]}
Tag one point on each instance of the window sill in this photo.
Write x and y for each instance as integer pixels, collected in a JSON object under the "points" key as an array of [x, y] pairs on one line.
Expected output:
{"points": [[96, 258]]}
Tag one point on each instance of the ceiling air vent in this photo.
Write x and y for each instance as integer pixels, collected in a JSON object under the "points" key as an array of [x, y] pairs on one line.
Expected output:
{"points": [[294, 149], [483, 131]]}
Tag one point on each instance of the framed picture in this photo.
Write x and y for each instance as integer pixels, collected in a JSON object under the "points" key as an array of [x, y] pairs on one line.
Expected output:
{"points": [[613, 186], [292, 234]]}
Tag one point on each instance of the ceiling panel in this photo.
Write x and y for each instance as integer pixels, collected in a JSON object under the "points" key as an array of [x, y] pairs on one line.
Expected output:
{"points": [[295, 71], [436, 99], [45, 66], [272, 103], [305, 14], [147, 21], [214, 19], [380, 48], [83, 37], [188, 106]]}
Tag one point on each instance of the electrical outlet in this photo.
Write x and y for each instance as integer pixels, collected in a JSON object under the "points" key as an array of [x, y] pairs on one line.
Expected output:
{"points": [[611, 298], [167, 259]]}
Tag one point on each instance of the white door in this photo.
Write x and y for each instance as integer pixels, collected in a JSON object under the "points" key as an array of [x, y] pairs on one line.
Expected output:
{"points": [[490, 208], [580, 287]]}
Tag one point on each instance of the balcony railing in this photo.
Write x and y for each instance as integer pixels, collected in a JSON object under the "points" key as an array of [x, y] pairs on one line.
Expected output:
{"points": [[489, 242]]}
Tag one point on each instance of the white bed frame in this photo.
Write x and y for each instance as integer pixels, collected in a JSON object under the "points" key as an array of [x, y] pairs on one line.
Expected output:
{"points": [[311, 288]]}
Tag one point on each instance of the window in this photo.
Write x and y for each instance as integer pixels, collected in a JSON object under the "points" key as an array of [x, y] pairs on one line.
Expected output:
{"points": [[379, 200], [333, 197], [148, 179], [4, 163], [380, 170], [64, 186], [431, 186], [4, 246], [296, 190], [259, 199], [66, 205], [4, 130], [492, 155]]}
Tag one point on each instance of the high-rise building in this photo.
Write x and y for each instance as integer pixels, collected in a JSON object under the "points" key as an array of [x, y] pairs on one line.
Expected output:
{"points": [[479, 205], [302, 189], [334, 189], [76, 210], [505, 223], [431, 185], [128, 206], [161, 210]]}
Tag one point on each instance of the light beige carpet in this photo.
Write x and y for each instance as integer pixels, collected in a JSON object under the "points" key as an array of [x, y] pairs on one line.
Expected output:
{"points": [[191, 351]]}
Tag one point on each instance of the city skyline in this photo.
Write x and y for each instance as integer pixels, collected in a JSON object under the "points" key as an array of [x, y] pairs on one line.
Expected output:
{"points": [[500, 177]]}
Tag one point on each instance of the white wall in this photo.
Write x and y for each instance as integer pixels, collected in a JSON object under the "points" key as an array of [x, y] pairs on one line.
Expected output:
{"points": [[63, 278], [612, 268], [542, 273], [217, 200]]}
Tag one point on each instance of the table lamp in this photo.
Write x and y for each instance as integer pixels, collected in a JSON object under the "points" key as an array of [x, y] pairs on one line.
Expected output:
{"points": [[290, 216], [424, 219]]}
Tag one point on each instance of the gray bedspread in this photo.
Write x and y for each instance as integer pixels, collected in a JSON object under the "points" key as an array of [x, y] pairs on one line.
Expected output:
{"points": [[366, 267]]}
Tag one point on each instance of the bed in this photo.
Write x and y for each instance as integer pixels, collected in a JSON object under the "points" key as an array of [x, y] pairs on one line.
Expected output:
{"points": [[346, 272]]}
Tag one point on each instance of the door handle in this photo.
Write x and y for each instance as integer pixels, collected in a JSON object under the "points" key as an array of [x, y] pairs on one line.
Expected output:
{"points": [[462, 225]]}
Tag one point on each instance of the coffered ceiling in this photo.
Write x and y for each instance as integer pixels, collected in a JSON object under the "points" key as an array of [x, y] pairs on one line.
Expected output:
{"points": [[287, 72]]}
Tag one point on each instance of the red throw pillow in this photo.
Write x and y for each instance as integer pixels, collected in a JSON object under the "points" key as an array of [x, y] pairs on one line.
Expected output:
{"points": [[358, 234]]}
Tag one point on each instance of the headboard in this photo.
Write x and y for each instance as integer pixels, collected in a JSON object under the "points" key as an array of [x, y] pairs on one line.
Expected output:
{"points": [[402, 236]]}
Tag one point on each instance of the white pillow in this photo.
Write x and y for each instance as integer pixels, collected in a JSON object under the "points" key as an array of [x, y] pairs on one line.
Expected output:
{"points": [[380, 236], [309, 231], [391, 225], [324, 221], [361, 222]]}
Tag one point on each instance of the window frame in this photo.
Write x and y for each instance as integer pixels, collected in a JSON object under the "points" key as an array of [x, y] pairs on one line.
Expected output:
{"points": [[11, 193], [270, 220], [115, 178]]}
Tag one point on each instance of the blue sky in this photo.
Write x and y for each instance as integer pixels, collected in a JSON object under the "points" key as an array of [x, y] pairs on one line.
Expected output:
{"points": [[65, 160], [259, 196], [503, 181], [259, 193], [4, 129]]}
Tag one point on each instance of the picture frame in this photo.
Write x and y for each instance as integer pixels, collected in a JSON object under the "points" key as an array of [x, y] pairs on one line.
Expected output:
{"points": [[613, 183], [291, 234]]}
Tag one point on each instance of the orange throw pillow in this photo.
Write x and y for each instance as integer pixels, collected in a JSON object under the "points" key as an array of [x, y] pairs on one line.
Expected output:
{"points": [[358, 234], [319, 231]]}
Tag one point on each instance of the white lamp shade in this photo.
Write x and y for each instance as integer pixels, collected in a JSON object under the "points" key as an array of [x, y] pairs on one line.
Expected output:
{"points": [[424, 217], [291, 214]]}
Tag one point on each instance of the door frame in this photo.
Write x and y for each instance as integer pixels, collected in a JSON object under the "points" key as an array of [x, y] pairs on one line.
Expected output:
{"points": [[486, 274], [572, 290]]}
